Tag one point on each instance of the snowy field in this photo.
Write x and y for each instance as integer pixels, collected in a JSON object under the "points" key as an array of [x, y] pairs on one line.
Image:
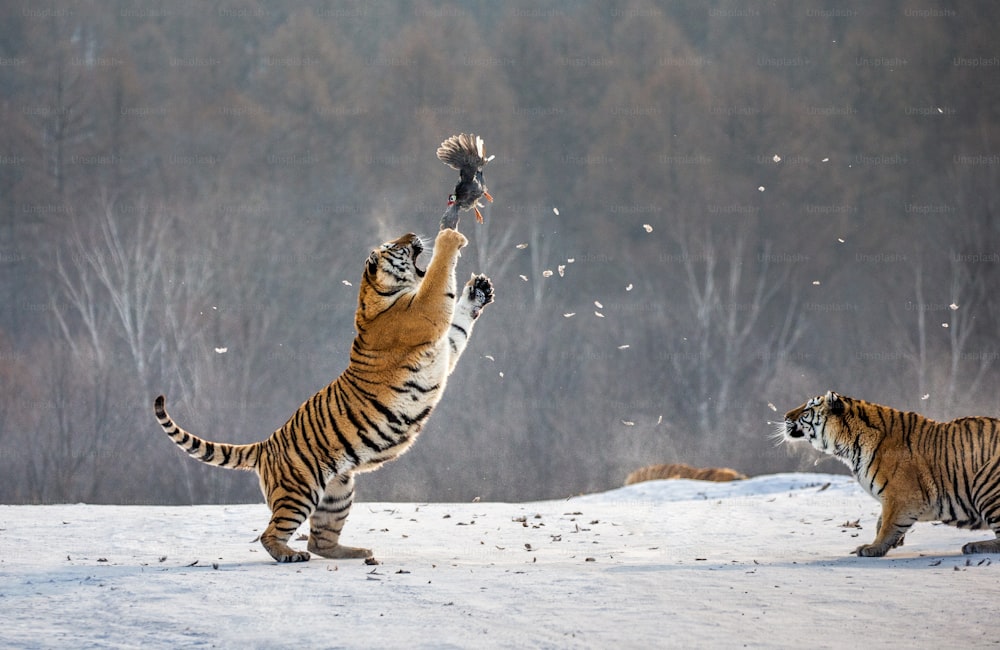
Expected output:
{"points": [[677, 564]]}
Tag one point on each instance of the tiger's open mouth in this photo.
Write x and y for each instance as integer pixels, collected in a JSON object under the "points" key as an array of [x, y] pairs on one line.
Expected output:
{"points": [[418, 248], [793, 431]]}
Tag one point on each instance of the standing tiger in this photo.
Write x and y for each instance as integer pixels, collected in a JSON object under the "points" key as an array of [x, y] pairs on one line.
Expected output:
{"points": [[918, 469], [411, 330]]}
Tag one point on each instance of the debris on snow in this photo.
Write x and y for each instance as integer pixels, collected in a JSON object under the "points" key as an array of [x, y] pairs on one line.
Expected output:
{"points": [[658, 525]]}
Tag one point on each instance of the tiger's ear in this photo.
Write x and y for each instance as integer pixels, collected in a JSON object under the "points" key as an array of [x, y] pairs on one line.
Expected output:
{"points": [[834, 404], [373, 263]]}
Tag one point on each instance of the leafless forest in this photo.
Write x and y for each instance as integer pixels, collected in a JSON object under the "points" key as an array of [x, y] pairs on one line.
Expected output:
{"points": [[706, 212]]}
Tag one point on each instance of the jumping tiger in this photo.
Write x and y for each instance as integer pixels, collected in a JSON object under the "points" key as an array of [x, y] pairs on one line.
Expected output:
{"points": [[918, 469], [411, 328]]}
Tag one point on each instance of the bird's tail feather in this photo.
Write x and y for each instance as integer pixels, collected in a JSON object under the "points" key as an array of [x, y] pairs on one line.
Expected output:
{"points": [[463, 150]]}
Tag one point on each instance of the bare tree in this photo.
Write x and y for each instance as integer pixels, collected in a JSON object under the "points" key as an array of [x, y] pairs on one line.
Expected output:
{"points": [[937, 333], [112, 278], [744, 318], [113, 282]]}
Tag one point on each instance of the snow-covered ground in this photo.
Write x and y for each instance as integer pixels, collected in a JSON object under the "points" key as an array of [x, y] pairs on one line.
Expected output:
{"points": [[759, 563]]}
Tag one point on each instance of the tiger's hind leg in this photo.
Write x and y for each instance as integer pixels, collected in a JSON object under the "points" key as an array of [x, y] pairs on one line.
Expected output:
{"points": [[476, 294], [986, 546], [328, 520], [292, 500], [986, 499], [286, 517]]}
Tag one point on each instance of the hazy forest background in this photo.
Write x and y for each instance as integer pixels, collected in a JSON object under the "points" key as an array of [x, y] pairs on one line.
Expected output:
{"points": [[706, 212]]}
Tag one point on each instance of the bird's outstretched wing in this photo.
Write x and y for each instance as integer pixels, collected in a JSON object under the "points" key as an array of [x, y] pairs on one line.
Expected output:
{"points": [[464, 152]]}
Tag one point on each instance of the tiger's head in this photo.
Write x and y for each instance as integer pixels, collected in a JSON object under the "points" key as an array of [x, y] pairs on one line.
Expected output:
{"points": [[820, 421], [391, 271]]}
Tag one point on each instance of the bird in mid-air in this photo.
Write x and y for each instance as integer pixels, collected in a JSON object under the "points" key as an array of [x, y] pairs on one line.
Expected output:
{"points": [[467, 154]]}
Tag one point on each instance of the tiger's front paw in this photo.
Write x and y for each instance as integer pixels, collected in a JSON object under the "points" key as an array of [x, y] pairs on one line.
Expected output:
{"points": [[479, 290], [450, 239], [871, 550]]}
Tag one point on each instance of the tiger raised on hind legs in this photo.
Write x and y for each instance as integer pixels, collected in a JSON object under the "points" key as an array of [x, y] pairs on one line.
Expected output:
{"points": [[412, 327]]}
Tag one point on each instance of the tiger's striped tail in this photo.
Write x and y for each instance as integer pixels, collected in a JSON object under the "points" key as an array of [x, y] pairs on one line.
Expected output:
{"points": [[213, 453]]}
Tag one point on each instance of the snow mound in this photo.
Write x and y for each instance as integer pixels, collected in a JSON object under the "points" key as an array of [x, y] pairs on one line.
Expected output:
{"points": [[689, 490]]}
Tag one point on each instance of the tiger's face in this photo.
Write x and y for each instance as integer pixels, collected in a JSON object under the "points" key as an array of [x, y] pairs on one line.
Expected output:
{"points": [[390, 271], [820, 421], [394, 263], [392, 267]]}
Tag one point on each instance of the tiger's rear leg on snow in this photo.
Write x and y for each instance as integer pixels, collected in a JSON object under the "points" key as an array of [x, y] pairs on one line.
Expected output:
{"points": [[328, 520], [288, 511], [986, 500], [985, 546], [292, 497]]}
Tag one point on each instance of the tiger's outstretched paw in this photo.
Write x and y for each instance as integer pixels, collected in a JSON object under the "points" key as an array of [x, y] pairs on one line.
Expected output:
{"points": [[448, 237], [480, 293]]}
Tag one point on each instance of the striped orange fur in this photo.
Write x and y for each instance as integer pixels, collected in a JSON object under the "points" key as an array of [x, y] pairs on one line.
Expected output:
{"points": [[412, 327], [918, 469]]}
